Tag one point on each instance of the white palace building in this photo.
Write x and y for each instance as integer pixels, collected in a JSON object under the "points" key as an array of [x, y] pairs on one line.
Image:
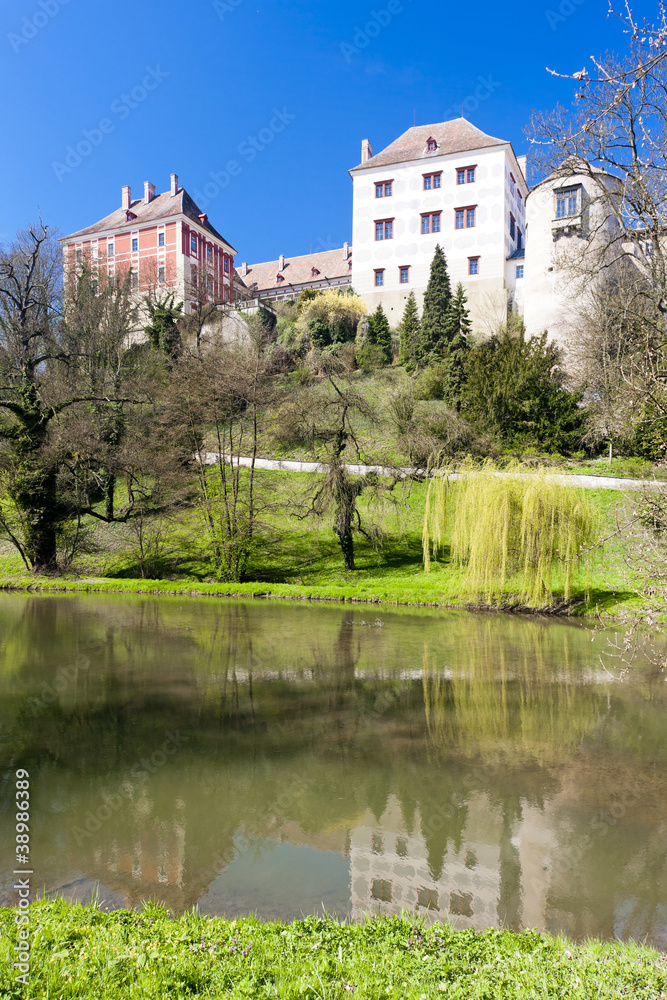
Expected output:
{"points": [[454, 185]]}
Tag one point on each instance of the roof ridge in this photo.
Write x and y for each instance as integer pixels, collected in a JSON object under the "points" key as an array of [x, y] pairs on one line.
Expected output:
{"points": [[299, 256]]}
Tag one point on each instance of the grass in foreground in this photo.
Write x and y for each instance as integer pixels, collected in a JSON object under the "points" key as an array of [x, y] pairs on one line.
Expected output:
{"points": [[85, 953]]}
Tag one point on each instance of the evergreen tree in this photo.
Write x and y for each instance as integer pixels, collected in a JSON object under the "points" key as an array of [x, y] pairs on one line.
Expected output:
{"points": [[409, 331], [516, 389], [379, 334], [457, 347], [460, 325], [435, 322]]}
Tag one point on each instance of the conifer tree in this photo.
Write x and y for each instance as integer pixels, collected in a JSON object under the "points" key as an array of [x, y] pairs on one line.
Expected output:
{"points": [[379, 334], [409, 331], [435, 317], [460, 326], [457, 346]]}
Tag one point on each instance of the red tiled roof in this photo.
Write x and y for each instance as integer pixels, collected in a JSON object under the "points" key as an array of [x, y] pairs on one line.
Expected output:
{"points": [[332, 264], [163, 206], [457, 136]]}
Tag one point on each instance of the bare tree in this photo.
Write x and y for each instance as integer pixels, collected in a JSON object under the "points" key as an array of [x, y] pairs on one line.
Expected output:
{"points": [[79, 405], [220, 395], [615, 135], [327, 418]]}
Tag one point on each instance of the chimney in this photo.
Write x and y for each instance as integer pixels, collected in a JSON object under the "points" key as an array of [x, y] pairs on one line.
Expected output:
{"points": [[174, 185], [523, 164], [366, 150], [244, 269], [127, 196], [282, 261], [149, 192], [346, 250]]}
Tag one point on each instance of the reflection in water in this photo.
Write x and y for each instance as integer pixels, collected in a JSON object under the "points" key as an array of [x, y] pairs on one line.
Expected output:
{"points": [[246, 756]]}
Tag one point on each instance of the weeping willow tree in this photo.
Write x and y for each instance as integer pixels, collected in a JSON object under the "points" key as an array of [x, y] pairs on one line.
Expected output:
{"points": [[509, 524]]}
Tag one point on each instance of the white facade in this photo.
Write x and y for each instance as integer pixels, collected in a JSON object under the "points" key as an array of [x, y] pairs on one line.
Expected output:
{"points": [[398, 186], [567, 220]]}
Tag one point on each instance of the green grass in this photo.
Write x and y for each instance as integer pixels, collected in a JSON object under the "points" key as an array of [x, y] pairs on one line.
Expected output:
{"points": [[300, 559], [85, 953]]}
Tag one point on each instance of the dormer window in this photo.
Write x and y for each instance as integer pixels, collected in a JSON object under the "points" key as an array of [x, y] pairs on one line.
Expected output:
{"points": [[130, 216], [431, 145], [349, 264], [314, 272], [279, 279]]}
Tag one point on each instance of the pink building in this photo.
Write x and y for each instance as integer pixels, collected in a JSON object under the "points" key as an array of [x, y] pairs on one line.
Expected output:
{"points": [[164, 241]]}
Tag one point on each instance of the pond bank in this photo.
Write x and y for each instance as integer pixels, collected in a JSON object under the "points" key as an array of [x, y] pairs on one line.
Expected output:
{"points": [[384, 591], [84, 952]]}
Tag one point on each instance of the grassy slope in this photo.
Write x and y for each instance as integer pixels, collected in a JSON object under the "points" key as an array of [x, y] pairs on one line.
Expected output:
{"points": [[82, 952], [301, 559], [378, 439]]}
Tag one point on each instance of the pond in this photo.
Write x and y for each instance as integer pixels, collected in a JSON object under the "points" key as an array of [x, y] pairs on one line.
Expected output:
{"points": [[285, 758]]}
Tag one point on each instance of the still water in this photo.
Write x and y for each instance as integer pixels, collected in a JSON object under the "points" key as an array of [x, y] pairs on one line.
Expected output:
{"points": [[281, 759]]}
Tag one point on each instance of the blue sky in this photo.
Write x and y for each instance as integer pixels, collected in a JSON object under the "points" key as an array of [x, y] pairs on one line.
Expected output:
{"points": [[260, 107]]}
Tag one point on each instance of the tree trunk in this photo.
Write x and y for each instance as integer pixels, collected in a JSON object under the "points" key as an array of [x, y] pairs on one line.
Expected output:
{"points": [[35, 497], [346, 542], [110, 494]]}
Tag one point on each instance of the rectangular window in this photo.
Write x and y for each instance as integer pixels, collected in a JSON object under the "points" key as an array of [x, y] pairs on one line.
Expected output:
{"points": [[512, 226], [431, 223], [209, 252], [160, 239], [432, 181], [193, 277], [135, 244], [78, 256], [193, 243], [512, 183], [161, 274], [460, 218], [460, 176], [519, 270], [384, 189], [226, 265], [384, 229], [470, 218], [567, 203], [404, 275], [466, 175], [379, 278], [209, 285], [471, 175], [135, 280], [473, 265], [519, 240], [110, 250]]}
